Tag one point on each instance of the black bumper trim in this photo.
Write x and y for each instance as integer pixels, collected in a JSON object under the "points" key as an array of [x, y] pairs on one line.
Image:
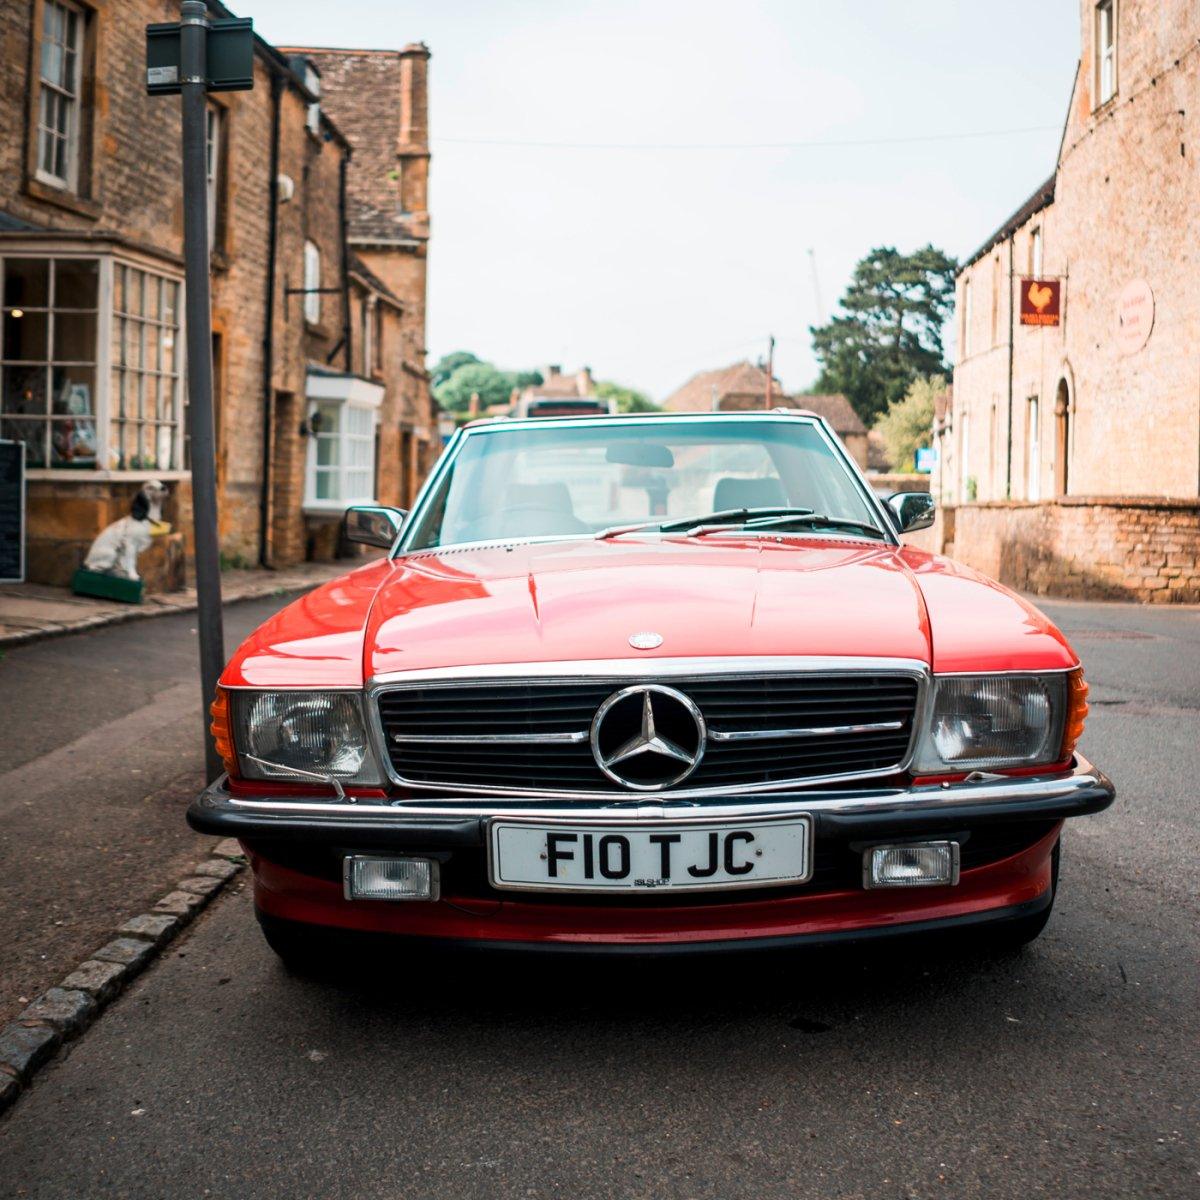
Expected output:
{"points": [[928, 809], [352, 940]]}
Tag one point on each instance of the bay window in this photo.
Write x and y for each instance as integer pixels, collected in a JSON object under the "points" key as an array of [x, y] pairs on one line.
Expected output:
{"points": [[90, 363], [144, 405], [343, 418]]}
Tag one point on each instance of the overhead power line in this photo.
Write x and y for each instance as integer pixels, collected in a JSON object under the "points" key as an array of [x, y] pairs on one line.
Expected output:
{"points": [[833, 143]]}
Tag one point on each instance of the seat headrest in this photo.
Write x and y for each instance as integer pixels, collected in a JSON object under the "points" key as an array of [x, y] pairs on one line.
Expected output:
{"points": [[732, 492], [539, 495]]}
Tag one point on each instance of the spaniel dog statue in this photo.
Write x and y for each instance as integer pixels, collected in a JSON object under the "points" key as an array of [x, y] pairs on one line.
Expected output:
{"points": [[116, 550]]}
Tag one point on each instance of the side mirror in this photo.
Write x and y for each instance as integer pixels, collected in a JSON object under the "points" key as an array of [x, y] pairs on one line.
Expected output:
{"points": [[372, 525], [911, 510]]}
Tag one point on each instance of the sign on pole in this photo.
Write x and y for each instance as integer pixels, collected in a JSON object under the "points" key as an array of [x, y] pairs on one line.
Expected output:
{"points": [[1041, 301], [191, 58]]}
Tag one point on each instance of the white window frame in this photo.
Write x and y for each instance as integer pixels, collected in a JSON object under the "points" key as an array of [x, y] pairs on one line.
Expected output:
{"points": [[104, 406], [68, 93], [966, 318], [312, 282], [1106, 51], [1036, 252], [344, 391], [370, 314], [312, 81], [964, 456], [1033, 450]]}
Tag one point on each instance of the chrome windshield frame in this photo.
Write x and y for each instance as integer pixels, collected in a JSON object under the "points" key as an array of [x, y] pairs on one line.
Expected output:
{"points": [[428, 493]]}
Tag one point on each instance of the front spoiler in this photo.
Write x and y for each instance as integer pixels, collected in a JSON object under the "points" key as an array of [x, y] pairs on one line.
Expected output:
{"points": [[849, 813]]}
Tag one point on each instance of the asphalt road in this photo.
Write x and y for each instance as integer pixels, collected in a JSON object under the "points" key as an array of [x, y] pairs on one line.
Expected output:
{"points": [[1070, 1069]]}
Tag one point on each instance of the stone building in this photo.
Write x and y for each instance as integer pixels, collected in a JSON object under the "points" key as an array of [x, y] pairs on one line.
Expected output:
{"points": [[1071, 451], [743, 386], [91, 346], [380, 100]]}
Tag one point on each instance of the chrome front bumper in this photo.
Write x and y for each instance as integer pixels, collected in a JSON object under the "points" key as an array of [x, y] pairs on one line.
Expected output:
{"points": [[459, 820]]}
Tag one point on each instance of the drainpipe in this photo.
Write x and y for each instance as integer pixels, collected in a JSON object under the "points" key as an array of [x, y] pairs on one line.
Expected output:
{"points": [[268, 344], [345, 259], [1011, 289]]}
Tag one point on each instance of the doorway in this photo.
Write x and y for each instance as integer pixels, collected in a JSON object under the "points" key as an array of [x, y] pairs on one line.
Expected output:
{"points": [[1062, 439]]}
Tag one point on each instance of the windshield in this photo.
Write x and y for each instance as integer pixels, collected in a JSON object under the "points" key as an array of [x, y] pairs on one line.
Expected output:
{"points": [[562, 480]]}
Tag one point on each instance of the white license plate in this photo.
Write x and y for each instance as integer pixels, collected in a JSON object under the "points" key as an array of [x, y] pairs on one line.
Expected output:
{"points": [[641, 857]]}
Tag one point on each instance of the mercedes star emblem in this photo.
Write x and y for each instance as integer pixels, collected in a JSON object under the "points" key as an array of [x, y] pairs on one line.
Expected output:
{"points": [[648, 737], [648, 640]]}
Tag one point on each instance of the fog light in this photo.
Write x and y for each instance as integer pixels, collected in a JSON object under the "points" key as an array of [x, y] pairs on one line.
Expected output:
{"points": [[914, 864], [366, 877]]}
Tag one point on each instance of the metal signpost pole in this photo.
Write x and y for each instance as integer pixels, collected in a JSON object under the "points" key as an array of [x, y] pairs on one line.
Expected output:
{"points": [[193, 88]]}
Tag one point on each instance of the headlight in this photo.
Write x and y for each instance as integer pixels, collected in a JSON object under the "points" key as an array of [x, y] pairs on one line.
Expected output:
{"points": [[293, 734], [980, 721]]}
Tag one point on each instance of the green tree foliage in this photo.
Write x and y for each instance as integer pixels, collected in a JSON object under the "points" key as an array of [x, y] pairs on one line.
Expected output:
{"points": [[908, 423], [460, 375], [890, 328], [449, 363], [629, 400], [492, 385]]}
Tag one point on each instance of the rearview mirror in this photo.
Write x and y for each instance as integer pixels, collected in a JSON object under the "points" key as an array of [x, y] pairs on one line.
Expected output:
{"points": [[373, 525], [911, 510], [640, 454]]}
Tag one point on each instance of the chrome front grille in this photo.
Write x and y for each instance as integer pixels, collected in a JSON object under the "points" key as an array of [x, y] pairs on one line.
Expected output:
{"points": [[533, 735]]}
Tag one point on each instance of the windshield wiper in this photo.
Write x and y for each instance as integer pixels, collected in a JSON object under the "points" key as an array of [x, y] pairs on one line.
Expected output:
{"points": [[814, 519], [733, 516], [726, 516], [616, 530]]}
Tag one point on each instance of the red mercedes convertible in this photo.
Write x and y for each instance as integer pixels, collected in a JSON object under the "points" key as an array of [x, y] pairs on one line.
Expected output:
{"points": [[644, 684]]}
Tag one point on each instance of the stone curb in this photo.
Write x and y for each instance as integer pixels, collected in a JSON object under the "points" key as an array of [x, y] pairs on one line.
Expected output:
{"points": [[63, 1012], [143, 612]]}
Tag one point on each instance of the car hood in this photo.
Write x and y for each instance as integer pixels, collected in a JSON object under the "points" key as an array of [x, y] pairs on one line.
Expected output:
{"points": [[558, 601], [716, 596]]}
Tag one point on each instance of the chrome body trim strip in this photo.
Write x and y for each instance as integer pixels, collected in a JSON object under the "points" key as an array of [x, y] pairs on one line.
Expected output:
{"points": [[490, 739], [945, 797], [757, 735], [652, 670]]}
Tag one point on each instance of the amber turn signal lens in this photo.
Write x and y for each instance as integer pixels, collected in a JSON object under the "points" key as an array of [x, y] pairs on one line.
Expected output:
{"points": [[1077, 711], [221, 733]]}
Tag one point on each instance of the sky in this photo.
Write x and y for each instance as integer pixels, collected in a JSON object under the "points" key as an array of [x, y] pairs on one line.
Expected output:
{"points": [[636, 185]]}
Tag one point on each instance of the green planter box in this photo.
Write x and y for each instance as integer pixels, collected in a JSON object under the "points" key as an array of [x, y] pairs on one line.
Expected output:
{"points": [[106, 587]]}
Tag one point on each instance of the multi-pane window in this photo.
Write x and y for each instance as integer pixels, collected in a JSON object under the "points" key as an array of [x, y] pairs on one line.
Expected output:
{"points": [[312, 283], [312, 81], [967, 314], [212, 169], [48, 324], [1106, 51], [344, 466], [59, 100], [372, 333], [145, 409]]}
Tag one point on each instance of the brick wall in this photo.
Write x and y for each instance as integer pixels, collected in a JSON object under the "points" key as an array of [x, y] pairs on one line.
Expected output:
{"points": [[1085, 547], [1123, 210]]}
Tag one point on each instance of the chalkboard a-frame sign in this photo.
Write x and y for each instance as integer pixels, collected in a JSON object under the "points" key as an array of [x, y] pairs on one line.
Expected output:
{"points": [[12, 512]]}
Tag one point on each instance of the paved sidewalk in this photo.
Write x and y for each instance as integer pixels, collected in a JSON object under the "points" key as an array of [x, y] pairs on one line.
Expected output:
{"points": [[31, 611]]}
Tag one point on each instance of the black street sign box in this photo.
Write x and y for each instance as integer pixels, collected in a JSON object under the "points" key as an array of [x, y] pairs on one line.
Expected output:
{"points": [[229, 50], [12, 512]]}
